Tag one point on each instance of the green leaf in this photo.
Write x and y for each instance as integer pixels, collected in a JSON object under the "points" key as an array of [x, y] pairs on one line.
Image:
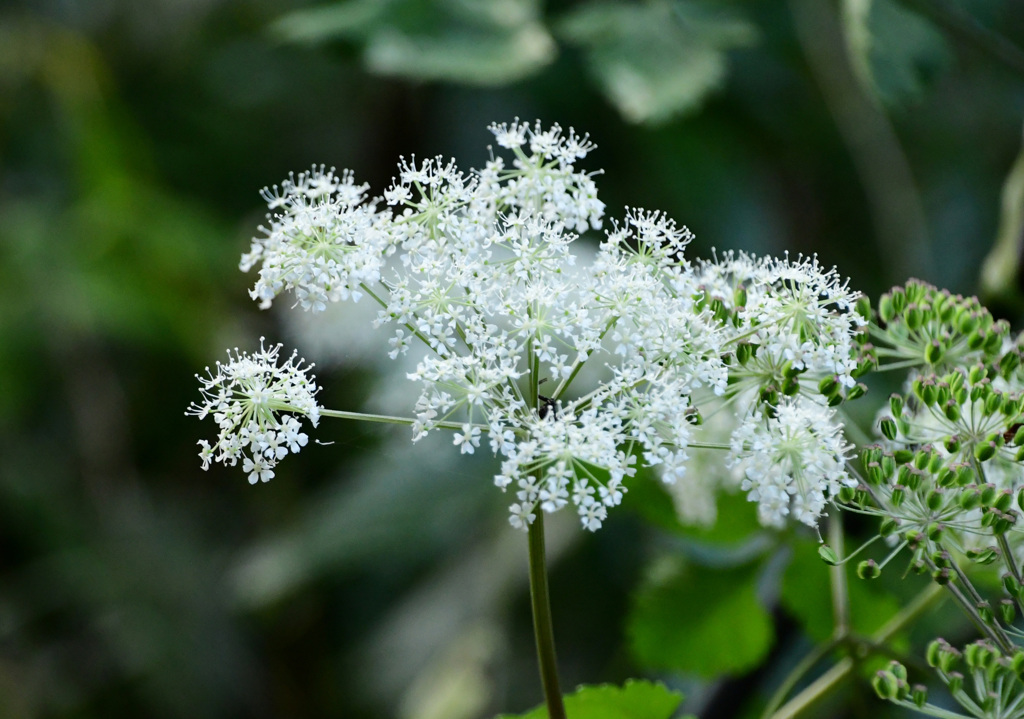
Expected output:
{"points": [[314, 25], [807, 596], [735, 523], [657, 59], [894, 51], [485, 42], [694, 619], [637, 699], [472, 58]]}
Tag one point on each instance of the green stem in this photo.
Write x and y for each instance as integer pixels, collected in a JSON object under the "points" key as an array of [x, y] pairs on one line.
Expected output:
{"points": [[840, 592], [387, 419], [542, 629], [834, 676]]}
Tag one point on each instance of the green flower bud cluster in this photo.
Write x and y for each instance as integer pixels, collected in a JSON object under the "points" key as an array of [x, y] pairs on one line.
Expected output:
{"points": [[982, 679], [962, 411], [915, 491], [933, 328], [891, 684], [995, 675], [776, 378]]}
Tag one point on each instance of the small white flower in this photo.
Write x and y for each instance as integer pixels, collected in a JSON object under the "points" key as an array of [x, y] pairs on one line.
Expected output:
{"points": [[468, 439]]}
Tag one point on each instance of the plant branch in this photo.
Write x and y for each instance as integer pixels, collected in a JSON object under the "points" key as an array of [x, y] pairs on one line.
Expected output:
{"points": [[838, 673]]}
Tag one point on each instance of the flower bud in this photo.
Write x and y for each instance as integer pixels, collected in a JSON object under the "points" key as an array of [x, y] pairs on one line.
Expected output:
{"points": [[899, 493], [1010, 584], [1009, 363], [885, 684], [934, 352], [914, 317], [828, 555], [977, 373], [952, 410], [829, 386], [873, 473], [988, 494], [986, 613], [964, 474], [919, 695], [976, 339], [985, 451], [1003, 500], [896, 404], [790, 386], [739, 297], [868, 569], [888, 464], [888, 428], [745, 352], [863, 307], [970, 498], [886, 310], [955, 682], [856, 392], [889, 526], [983, 556], [994, 340], [946, 477], [1007, 611], [1017, 663], [993, 402], [903, 456]]}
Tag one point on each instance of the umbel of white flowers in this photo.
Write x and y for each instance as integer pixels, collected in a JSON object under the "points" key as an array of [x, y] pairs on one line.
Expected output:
{"points": [[477, 272]]}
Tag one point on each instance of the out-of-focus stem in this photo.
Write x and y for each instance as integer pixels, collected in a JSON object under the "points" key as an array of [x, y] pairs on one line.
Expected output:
{"points": [[828, 681]]}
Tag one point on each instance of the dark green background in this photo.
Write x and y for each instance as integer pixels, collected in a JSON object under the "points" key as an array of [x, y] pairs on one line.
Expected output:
{"points": [[365, 580]]}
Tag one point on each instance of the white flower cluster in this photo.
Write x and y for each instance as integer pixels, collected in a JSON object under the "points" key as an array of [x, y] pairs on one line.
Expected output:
{"points": [[322, 243], [483, 279], [247, 398], [792, 461]]}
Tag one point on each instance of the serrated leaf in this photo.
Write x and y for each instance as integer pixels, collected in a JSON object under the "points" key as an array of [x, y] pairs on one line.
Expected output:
{"points": [[637, 699], [657, 59], [807, 596], [694, 619]]}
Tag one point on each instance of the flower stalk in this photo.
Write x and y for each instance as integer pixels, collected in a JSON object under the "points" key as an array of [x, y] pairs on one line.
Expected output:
{"points": [[543, 631]]}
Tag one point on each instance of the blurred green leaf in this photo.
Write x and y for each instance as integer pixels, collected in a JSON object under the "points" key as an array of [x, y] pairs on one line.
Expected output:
{"points": [[693, 619], [493, 42], [657, 59], [894, 51], [807, 595], [637, 699], [735, 524], [349, 19]]}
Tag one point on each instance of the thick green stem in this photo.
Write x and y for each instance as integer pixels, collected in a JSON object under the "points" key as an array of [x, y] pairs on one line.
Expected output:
{"points": [[542, 629]]}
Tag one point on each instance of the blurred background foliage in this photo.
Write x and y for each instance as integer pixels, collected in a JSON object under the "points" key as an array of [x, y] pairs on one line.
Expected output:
{"points": [[372, 577]]}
